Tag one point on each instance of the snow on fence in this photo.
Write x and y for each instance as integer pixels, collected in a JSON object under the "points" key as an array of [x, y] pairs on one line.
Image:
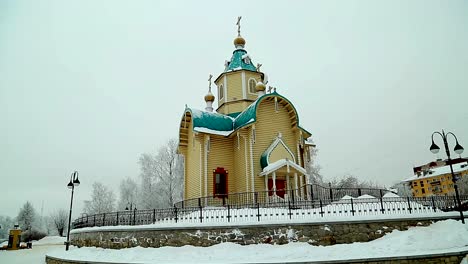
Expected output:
{"points": [[277, 208]]}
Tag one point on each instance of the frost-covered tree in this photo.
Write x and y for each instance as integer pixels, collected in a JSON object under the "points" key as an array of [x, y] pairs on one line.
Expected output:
{"points": [[27, 216], [403, 189], [128, 193], [59, 219], [6, 223], [161, 177], [351, 181], [312, 168], [462, 185], [102, 200]]}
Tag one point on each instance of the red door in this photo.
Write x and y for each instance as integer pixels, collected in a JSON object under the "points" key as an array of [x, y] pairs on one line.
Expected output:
{"points": [[280, 186]]}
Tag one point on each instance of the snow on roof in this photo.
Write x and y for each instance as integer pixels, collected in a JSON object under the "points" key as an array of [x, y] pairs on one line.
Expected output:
{"points": [[346, 197], [366, 196], [440, 171], [279, 164], [212, 131], [390, 195]]}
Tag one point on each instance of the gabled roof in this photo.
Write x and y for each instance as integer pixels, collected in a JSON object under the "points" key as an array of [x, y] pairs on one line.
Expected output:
{"points": [[219, 124], [265, 157], [237, 62]]}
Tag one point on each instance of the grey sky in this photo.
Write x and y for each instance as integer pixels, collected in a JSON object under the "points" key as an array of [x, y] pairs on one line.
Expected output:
{"points": [[90, 85]]}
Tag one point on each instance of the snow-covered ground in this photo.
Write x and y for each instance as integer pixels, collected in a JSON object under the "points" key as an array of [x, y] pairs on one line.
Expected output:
{"points": [[441, 237], [36, 254]]}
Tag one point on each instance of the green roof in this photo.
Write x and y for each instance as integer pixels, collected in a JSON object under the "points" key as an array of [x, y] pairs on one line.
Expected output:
{"points": [[225, 123], [237, 63]]}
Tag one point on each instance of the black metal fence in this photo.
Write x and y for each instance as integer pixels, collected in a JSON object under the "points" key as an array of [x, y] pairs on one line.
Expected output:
{"points": [[286, 204], [308, 192]]}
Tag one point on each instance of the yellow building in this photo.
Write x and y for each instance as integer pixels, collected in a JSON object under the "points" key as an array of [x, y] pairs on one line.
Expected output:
{"points": [[436, 180], [252, 142]]}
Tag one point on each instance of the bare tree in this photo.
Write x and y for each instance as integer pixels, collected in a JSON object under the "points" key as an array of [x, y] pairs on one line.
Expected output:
{"points": [[169, 171], [128, 193], [102, 200], [59, 219], [462, 185]]}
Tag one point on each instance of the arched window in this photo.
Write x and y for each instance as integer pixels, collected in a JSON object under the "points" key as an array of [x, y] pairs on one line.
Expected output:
{"points": [[252, 84], [221, 92]]}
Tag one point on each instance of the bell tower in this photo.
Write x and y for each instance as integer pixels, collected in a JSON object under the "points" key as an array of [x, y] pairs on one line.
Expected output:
{"points": [[236, 85]]}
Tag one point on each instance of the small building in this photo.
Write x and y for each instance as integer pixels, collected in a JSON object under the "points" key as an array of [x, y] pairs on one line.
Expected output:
{"points": [[253, 140], [436, 180]]}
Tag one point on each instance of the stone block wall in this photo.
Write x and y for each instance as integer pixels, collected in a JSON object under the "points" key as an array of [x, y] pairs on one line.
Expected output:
{"points": [[312, 233]]}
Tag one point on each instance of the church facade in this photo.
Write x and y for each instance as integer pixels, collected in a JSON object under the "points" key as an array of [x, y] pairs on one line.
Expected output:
{"points": [[252, 142]]}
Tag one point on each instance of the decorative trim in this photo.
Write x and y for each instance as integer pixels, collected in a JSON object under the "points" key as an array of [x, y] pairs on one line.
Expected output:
{"points": [[225, 88], [248, 86], [244, 90]]}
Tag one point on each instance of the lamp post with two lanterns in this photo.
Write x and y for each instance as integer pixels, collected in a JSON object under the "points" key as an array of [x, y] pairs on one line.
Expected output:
{"points": [[459, 150], [71, 185]]}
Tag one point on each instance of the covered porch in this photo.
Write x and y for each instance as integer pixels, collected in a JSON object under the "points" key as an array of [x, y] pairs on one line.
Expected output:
{"points": [[283, 179]]}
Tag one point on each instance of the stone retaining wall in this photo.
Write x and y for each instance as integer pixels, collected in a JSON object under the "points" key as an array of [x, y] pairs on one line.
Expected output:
{"points": [[450, 258], [312, 233]]}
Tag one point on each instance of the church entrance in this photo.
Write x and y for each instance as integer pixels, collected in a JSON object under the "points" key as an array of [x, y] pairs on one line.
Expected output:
{"points": [[220, 189], [280, 187]]}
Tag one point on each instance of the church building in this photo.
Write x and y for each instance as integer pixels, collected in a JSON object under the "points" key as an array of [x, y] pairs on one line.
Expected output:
{"points": [[252, 142]]}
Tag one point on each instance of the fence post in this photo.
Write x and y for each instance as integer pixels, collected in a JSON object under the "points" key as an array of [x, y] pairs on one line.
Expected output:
{"points": [[359, 192], [175, 213], [352, 206], [229, 213], [293, 198], [258, 211], [104, 219], [94, 220], [154, 216], [459, 203], [321, 209], [134, 216], [381, 204], [311, 192], [117, 218], [433, 204], [409, 204], [289, 203], [224, 200], [331, 191], [201, 210], [182, 205], [256, 197], [381, 195]]}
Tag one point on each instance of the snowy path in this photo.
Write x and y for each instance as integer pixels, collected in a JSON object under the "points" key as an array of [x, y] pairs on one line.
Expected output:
{"points": [[34, 255], [441, 237]]}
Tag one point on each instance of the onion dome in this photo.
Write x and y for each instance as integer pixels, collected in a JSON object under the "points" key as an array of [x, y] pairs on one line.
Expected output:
{"points": [[239, 42], [209, 97], [260, 87]]}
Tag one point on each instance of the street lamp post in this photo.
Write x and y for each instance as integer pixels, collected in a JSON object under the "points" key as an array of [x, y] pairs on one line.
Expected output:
{"points": [[459, 150], [71, 185]]}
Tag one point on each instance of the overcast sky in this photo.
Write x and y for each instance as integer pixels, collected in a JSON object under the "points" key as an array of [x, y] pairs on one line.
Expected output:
{"points": [[90, 85]]}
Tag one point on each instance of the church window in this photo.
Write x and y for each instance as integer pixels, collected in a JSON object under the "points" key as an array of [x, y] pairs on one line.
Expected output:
{"points": [[220, 182], [221, 92], [252, 84]]}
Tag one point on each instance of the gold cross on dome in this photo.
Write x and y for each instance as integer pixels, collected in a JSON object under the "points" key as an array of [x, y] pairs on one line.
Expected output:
{"points": [[238, 25]]}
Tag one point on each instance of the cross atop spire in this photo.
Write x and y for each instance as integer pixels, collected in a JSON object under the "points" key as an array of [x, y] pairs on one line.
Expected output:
{"points": [[209, 81], [238, 25]]}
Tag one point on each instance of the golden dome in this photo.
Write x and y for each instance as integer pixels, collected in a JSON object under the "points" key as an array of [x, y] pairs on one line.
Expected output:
{"points": [[209, 97], [239, 41], [260, 87]]}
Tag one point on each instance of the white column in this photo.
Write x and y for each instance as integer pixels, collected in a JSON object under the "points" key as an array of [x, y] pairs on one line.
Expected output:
{"points": [[287, 184], [295, 183], [266, 182], [301, 190], [274, 182]]}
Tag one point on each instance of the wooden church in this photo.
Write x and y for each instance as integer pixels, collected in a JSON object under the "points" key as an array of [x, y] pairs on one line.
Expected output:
{"points": [[252, 142]]}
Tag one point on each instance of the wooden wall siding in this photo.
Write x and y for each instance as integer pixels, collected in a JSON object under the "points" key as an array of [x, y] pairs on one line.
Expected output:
{"points": [[221, 155], [235, 86], [249, 75], [240, 164], [280, 152], [269, 124], [192, 166]]}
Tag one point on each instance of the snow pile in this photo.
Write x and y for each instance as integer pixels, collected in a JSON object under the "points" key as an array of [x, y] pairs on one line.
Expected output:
{"points": [[50, 240], [441, 237]]}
